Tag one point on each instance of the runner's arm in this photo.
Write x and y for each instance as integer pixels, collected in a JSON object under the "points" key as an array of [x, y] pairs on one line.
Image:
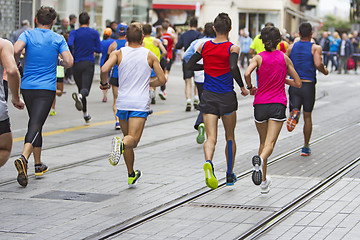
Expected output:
{"points": [[319, 64], [67, 59], [105, 69], [13, 75], [161, 46], [252, 66], [234, 69], [160, 76], [296, 81], [192, 63], [18, 47]]}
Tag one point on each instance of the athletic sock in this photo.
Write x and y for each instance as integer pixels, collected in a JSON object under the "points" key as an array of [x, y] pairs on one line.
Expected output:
{"points": [[86, 114], [188, 100], [196, 97]]}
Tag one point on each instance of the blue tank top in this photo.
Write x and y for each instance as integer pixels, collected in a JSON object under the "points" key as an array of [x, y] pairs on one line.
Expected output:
{"points": [[119, 44], [303, 60]]}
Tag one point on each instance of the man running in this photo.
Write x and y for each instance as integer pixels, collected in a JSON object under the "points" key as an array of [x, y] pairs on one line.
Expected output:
{"points": [[133, 103], [7, 62], [84, 41], [218, 99], [38, 86], [306, 57], [184, 41], [155, 46]]}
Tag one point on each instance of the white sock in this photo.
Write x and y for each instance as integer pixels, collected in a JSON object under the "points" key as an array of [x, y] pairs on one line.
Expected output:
{"points": [[188, 100], [196, 97], [86, 114]]}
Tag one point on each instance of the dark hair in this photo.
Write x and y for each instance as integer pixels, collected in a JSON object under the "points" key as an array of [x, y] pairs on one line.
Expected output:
{"points": [[72, 16], [270, 37], [222, 23], [134, 33], [158, 32], [84, 18], [305, 29], [46, 15], [147, 29], [209, 30], [269, 24], [193, 22]]}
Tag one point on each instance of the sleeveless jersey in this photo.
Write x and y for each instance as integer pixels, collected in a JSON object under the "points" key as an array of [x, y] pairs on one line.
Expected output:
{"points": [[134, 80], [3, 106], [169, 46], [271, 78], [149, 44], [303, 60], [119, 44], [218, 77]]}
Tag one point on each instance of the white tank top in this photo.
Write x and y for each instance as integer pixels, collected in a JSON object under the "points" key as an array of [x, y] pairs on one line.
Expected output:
{"points": [[3, 106], [134, 80]]}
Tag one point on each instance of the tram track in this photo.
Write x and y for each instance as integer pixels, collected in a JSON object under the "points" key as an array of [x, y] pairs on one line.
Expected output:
{"points": [[259, 228]]}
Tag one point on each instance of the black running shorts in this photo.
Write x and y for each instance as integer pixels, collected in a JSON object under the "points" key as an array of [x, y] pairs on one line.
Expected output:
{"points": [[5, 126], [186, 73], [271, 111], [114, 81], [304, 96], [218, 103]]}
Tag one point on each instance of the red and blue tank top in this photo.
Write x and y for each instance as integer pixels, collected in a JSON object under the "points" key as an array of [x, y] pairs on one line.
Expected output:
{"points": [[217, 73]]}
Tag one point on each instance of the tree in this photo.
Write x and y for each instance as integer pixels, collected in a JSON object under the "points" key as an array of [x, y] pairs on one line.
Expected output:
{"points": [[333, 22]]}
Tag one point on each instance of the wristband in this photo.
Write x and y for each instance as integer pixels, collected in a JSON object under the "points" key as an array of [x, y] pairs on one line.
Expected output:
{"points": [[103, 84], [249, 87]]}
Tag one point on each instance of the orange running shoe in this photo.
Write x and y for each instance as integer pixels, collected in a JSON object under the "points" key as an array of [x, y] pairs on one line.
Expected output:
{"points": [[293, 119]]}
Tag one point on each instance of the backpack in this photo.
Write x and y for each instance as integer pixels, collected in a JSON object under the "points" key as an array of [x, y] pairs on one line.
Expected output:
{"points": [[350, 64]]}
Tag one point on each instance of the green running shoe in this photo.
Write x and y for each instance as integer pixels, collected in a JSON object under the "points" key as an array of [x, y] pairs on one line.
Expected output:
{"points": [[210, 178], [132, 181], [117, 148], [201, 136]]}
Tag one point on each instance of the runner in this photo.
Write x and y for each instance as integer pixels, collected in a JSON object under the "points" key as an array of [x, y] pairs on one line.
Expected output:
{"points": [[170, 41], [105, 44], [306, 57], [84, 41], [209, 34], [38, 85], [114, 82], [270, 99], [60, 74], [218, 99], [7, 62], [156, 47], [184, 42], [133, 103]]}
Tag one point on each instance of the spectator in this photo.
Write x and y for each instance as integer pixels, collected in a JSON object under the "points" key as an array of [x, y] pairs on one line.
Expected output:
{"points": [[344, 52]]}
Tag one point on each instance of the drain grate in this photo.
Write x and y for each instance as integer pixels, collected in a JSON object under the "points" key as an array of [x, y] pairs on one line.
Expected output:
{"points": [[233, 206], [74, 196]]}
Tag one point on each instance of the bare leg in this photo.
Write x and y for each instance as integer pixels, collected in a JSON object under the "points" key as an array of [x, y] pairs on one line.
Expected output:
{"points": [[132, 133], [210, 122], [271, 130], [188, 88], [307, 127], [28, 149], [115, 95], [37, 155], [5, 147], [229, 122]]}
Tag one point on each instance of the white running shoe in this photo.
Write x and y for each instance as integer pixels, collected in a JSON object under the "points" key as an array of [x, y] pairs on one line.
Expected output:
{"points": [[162, 95], [265, 186], [117, 148]]}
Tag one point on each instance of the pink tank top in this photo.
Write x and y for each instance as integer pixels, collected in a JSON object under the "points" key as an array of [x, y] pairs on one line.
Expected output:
{"points": [[271, 78]]}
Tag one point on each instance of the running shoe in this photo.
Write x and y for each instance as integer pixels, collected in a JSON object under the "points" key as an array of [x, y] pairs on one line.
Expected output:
{"points": [[210, 178], [40, 169], [117, 148], [188, 107], [257, 173], [293, 119], [104, 99], [87, 118], [201, 136], [52, 112], [305, 151], [162, 95], [117, 126], [21, 167], [230, 179], [132, 181], [77, 99], [265, 186], [196, 103]]}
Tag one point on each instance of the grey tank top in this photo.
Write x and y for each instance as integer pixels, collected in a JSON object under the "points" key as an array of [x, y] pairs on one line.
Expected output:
{"points": [[3, 106]]}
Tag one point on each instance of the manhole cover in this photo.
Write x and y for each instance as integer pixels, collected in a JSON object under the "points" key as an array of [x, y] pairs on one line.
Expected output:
{"points": [[74, 196]]}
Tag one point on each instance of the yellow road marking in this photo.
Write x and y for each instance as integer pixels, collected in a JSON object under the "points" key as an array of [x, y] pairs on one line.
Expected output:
{"points": [[82, 127]]}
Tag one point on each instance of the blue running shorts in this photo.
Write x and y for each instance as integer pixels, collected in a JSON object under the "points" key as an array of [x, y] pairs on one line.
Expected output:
{"points": [[125, 115]]}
